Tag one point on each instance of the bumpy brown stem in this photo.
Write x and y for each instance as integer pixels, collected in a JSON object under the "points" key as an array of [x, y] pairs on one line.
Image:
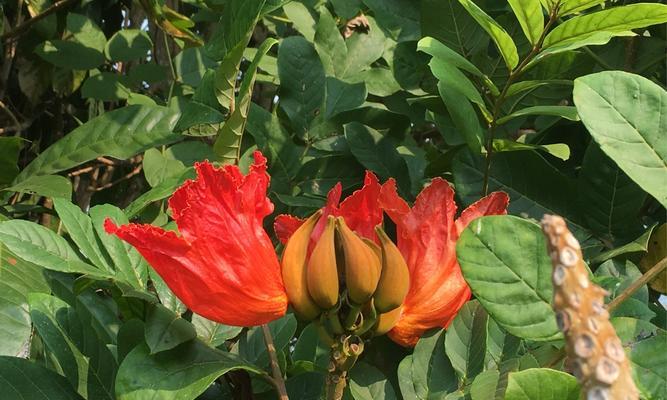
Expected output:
{"points": [[595, 354], [344, 353], [277, 379]]}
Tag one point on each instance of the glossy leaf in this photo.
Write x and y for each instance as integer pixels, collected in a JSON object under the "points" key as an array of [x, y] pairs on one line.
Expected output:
{"points": [[574, 6], [24, 379], [121, 133], [530, 16], [465, 341], [368, 383], [566, 112], [44, 185], [166, 330], [213, 333], [627, 115], [541, 383], [499, 35], [504, 262]]}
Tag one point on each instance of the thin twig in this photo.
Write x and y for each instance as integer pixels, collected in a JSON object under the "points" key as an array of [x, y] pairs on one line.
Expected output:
{"points": [[27, 24], [643, 280], [277, 380], [127, 176]]}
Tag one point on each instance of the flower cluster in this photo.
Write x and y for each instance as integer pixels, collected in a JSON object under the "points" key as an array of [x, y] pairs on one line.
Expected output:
{"points": [[223, 266]]}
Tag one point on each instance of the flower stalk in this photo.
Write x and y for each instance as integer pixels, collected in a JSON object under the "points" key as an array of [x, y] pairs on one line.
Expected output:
{"points": [[344, 353], [276, 373]]}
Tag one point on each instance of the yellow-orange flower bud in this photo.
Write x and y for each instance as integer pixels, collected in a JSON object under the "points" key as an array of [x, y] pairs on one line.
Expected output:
{"points": [[387, 321], [322, 273], [294, 270], [394, 278], [362, 266]]}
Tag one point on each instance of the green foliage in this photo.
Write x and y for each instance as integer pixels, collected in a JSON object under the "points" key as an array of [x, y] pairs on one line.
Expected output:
{"points": [[106, 107]]}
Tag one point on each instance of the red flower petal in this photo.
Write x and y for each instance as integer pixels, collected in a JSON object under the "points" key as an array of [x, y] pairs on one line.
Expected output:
{"points": [[223, 266], [285, 225], [427, 237], [361, 209], [493, 204]]}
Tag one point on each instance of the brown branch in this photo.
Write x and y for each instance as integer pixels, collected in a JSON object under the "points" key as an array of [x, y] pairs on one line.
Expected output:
{"points": [[129, 175], [643, 280], [277, 380], [27, 24]]}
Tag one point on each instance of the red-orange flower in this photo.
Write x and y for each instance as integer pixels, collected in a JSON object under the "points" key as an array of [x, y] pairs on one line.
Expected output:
{"points": [[222, 265], [426, 235]]}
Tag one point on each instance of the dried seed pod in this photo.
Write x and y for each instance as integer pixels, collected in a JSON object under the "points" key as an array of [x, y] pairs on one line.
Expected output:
{"points": [[595, 354]]}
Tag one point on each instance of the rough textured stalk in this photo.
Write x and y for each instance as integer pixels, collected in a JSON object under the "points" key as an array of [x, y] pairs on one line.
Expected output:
{"points": [[277, 381]]}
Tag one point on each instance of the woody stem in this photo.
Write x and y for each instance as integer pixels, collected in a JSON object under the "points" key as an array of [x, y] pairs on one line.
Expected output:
{"points": [[344, 353], [277, 380]]}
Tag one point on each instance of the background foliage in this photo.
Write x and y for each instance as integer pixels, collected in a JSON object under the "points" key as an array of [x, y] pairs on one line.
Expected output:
{"points": [[106, 105]]}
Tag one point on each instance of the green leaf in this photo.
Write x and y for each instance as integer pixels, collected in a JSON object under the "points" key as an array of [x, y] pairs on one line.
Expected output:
{"points": [[302, 82], [573, 6], [442, 52], [640, 244], [45, 185], [307, 386], [541, 383], [213, 333], [520, 87], [450, 23], [166, 330], [302, 19], [463, 116], [534, 186], [530, 16], [342, 96], [377, 152], [85, 31], [235, 27], [452, 79], [368, 383], [465, 341], [120, 133], [191, 65], [646, 346], [500, 37], [158, 167], [159, 192], [105, 86], [228, 143], [69, 54], [310, 347], [612, 21], [127, 45], [58, 325], [363, 49], [181, 373], [432, 374], [567, 112], [10, 148], [130, 265], [610, 200], [398, 18], [560, 150], [627, 116], [500, 345], [80, 229], [24, 379], [504, 261], [252, 346], [38, 245], [330, 44], [484, 386], [17, 279]]}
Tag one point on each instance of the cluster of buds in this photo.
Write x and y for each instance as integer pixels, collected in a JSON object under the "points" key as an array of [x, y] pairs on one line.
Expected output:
{"points": [[595, 354], [348, 283]]}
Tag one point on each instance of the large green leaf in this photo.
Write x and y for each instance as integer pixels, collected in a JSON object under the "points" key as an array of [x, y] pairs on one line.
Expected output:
{"points": [[541, 383], [585, 29], [85, 31], [573, 6], [44, 185], [498, 34], [235, 27], [530, 16], [302, 82], [330, 44], [342, 96], [610, 200], [87, 364], [363, 49], [504, 260], [398, 18], [213, 333], [24, 379], [567, 112], [69, 54], [627, 116], [166, 330], [184, 372], [38, 245], [17, 279], [252, 346], [465, 342], [368, 383], [450, 23], [120, 133], [128, 44]]}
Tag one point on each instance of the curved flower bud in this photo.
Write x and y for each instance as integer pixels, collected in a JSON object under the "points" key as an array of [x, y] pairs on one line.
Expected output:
{"points": [[362, 266], [394, 279], [223, 265], [322, 274], [385, 322], [294, 270]]}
